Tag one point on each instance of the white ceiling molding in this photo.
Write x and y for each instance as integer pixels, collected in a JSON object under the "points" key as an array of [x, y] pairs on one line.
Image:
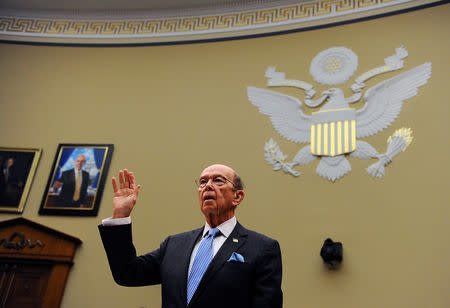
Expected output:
{"points": [[111, 26]]}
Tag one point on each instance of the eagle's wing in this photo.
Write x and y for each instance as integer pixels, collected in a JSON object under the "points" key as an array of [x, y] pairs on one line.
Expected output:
{"points": [[284, 111], [383, 102]]}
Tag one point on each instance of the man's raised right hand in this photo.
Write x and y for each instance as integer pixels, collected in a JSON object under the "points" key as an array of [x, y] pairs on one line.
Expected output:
{"points": [[125, 195]]}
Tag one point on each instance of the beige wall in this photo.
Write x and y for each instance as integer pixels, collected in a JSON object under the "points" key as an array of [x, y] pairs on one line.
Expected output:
{"points": [[172, 110]]}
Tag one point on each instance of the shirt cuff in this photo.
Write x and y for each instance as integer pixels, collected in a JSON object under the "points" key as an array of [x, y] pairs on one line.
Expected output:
{"points": [[116, 221]]}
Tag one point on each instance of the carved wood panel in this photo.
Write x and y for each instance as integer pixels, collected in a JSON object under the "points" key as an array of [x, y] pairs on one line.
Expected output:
{"points": [[25, 284], [34, 264]]}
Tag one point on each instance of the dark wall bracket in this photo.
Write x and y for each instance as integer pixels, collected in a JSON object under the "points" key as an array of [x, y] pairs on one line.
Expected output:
{"points": [[331, 253]]}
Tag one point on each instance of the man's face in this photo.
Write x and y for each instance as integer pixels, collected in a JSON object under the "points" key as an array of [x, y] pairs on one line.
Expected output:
{"points": [[80, 161], [217, 199], [9, 162]]}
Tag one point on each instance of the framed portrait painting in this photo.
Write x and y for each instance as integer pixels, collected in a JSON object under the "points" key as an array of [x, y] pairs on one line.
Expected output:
{"points": [[76, 181], [17, 169]]}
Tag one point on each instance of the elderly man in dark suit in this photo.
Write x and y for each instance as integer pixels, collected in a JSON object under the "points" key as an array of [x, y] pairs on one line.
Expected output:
{"points": [[74, 184], [12, 181], [220, 265]]}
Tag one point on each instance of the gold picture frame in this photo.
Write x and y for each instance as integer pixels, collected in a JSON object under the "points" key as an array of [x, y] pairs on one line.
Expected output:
{"points": [[17, 169]]}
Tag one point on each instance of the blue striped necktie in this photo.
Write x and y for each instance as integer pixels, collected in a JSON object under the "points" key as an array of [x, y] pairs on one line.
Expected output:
{"points": [[202, 259]]}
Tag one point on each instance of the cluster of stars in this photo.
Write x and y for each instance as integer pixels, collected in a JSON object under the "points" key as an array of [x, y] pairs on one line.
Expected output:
{"points": [[333, 65]]}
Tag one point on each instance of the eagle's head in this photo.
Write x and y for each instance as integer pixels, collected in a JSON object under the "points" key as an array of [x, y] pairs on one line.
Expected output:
{"points": [[336, 99], [333, 92]]}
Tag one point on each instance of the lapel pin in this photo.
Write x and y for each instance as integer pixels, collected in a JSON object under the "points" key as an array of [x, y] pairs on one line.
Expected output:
{"points": [[235, 240]]}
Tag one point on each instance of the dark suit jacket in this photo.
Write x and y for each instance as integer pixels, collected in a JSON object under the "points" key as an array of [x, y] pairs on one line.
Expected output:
{"points": [[256, 283], [68, 180], [11, 190], [2, 182]]}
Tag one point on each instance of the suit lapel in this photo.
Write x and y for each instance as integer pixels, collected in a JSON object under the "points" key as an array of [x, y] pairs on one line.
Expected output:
{"points": [[237, 238]]}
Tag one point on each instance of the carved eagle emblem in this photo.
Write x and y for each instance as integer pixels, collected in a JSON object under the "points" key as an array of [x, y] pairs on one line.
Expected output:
{"points": [[335, 129]]}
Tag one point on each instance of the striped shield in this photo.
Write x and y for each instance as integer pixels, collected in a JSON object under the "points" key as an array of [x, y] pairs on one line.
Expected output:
{"points": [[333, 132]]}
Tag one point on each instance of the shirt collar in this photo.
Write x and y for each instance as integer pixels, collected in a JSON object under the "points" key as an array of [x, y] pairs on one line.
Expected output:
{"points": [[225, 228]]}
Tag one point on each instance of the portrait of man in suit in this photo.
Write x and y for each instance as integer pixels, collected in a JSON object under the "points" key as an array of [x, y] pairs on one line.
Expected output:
{"points": [[15, 167], [76, 180], [220, 265], [74, 184]]}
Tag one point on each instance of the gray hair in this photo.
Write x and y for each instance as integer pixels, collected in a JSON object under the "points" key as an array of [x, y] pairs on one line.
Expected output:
{"points": [[238, 184]]}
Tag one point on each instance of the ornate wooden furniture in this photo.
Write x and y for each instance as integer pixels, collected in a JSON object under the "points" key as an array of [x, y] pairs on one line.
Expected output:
{"points": [[34, 264]]}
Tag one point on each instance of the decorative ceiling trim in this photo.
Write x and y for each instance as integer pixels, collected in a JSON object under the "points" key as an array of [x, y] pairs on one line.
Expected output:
{"points": [[110, 28]]}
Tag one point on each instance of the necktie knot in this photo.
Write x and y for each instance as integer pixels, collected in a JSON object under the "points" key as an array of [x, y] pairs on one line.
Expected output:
{"points": [[213, 232]]}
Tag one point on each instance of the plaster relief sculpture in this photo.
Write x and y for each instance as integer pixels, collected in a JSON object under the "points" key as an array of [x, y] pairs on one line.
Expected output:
{"points": [[333, 131]]}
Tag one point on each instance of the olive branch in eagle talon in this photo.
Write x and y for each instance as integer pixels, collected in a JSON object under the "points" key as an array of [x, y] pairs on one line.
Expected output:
{"points": [[275, 157]]}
